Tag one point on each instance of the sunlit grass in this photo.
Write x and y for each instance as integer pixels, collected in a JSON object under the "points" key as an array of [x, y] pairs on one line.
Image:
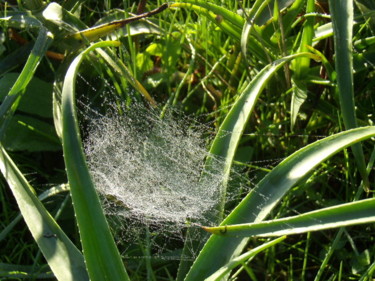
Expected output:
{"points": [[232, 69]]}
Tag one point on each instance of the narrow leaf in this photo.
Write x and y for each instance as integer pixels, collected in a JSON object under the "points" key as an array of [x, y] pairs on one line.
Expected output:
{"points": [[62, 256], [353, 213], [101, 255], [342, 20]]}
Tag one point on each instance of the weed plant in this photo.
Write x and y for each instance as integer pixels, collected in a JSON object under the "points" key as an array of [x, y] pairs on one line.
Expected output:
{"points": [[206, 141]]}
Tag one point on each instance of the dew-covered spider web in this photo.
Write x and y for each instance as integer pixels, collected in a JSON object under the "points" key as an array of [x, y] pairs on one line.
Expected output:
{"points": [[148, 172]]}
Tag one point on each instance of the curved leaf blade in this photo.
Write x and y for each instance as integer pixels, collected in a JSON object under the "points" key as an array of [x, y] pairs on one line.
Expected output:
{"points": [[352, 213], [228, 137], [262, 199], [62, 256], [101, 255]]}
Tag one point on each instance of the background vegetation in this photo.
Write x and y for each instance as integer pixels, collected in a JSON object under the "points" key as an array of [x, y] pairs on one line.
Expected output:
{"points": [[268, 77]]}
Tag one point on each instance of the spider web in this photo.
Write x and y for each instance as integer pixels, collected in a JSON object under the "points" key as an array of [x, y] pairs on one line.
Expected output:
{"points": [[147, 170]]}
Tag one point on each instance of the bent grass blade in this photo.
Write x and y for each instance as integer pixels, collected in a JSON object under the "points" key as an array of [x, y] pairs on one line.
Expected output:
{"points": [[353, 213], [258, 204], [64, 259], [102, 258]]}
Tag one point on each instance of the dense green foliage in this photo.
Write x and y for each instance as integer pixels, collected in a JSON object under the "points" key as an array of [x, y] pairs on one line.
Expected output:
{"points": [[287, 87]]}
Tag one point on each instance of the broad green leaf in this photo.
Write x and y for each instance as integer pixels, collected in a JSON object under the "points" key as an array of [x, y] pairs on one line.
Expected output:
{"points": [[342, 20], [37, 99], [358, 212], [258, 204], [26, 133], [12, 100], [102, 258], [64, 259]]}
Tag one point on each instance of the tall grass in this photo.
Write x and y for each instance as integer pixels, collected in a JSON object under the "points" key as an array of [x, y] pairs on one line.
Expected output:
{"points": [[268, 77]]}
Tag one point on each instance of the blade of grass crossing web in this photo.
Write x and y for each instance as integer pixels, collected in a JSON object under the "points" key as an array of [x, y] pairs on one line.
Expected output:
{"points": [[352, 213], [102, 258], [342, 20], [64, 259], [11, 101], [258, 204]]}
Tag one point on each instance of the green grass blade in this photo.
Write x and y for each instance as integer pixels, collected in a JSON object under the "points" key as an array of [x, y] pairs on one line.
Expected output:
{"points": [[352, 213], [102, 258], [342, 20], [10, 103], [258, 204], [64, 259], [46, 194], [230, 131], [242, 259]]}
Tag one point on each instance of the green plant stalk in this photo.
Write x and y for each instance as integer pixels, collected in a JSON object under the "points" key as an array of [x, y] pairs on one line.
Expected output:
{"points": [[64, 259], [10, 103], [258, 204], [102, 258], [358, 212], [342, 20]]}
